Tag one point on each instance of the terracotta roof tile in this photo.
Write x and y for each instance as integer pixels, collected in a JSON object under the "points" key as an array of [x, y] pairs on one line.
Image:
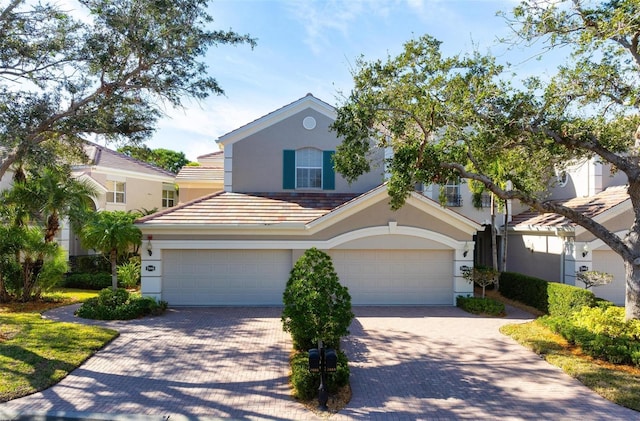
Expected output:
{"points": [[250, 208], [590, 206], [201, 173], [105, 157]]}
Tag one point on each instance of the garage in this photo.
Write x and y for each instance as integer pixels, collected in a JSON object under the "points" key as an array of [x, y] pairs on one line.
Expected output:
{"points": [[396, 277], [225, 277]]}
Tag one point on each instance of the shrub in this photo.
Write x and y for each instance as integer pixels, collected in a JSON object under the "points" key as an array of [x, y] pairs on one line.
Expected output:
{"points": [[129, 273], [549, 297], [526, 289], [565, 300], [600, 332], [52, 273], [95, 281], [477, 305], [94, 263], [305, 383], [316, 306], [119, 305]]}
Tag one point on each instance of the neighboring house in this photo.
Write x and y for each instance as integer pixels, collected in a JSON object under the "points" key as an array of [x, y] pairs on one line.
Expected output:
{"points": [[196, 181], [553, 248], [123, 183], [281, 196]]}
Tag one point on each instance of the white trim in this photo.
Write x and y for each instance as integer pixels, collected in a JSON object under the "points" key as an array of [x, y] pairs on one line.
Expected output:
{"points": [[228, 168], [277, 116], [306, 244]]}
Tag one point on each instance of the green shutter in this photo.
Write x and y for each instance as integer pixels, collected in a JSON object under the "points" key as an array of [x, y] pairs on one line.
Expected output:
{"points": [[289, 169], [328, 174]]}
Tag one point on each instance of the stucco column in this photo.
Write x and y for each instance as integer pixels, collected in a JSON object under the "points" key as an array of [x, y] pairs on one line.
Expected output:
{"points": [[151, 270], [463, 258]]}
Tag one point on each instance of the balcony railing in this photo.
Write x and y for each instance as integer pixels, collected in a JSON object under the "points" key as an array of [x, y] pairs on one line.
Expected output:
{"points": [[454, 200]]}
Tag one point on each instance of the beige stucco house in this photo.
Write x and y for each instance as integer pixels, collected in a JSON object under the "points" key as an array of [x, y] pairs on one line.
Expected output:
{"points": [[124, 184], [280, 197]]}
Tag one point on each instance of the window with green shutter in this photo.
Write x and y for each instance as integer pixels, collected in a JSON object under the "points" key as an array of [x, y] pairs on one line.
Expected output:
{"points": [[308, 168]]}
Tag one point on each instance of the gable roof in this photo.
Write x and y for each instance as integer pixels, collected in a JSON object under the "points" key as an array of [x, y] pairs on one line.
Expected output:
{"points": [[302, 211], [600, 205], [104, 157], [308, 101]]}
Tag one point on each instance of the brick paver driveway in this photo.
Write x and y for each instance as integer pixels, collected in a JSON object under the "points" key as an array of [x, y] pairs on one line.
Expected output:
{"points": [[407, 363]]}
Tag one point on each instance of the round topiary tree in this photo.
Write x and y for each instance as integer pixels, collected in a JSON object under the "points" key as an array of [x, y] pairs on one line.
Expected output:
{"points": [[316, 306]]}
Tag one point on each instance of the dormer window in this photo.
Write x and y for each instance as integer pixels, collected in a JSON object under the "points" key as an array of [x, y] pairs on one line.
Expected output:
{"points": [[308, 168]]}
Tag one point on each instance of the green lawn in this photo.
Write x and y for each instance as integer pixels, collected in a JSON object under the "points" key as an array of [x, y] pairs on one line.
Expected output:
{"points": [[36, 353], [619, 384]]}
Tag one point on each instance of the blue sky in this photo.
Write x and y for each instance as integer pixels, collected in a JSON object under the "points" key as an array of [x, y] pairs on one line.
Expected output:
{"points": [[312, 45]]}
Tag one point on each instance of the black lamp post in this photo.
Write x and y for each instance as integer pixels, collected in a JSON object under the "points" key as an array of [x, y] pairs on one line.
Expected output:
{"points": [[322, 361]]}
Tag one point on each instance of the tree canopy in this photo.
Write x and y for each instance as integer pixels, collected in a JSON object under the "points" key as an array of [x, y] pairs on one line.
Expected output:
{"points": [[169, 160], [111, 75], [466, 116]]}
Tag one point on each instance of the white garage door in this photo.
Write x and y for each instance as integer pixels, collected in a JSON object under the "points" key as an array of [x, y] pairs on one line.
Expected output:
{"points": [[396, 277], [225, 277], [610, 262]]}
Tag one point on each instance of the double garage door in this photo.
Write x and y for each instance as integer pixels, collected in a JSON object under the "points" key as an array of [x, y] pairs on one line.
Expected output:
{"points": [[258, 277]]}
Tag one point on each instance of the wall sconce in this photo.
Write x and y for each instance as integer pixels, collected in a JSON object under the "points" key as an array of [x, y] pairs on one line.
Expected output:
{"points": [[585, 250], [149, 246], [466, 249]]}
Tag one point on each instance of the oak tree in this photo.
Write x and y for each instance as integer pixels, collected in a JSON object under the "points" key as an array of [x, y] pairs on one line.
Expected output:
{"points": [[465, 116], [110, 73]]}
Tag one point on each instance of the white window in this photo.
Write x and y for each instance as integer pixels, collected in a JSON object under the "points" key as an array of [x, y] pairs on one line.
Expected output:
{"points": [[452, 193], [308, 168], [115, 191], [168, 197]]}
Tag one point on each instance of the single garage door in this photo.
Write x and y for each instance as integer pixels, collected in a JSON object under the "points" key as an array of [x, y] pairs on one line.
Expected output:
{"points": [[225, 277], [396, 277], [610, 262]]}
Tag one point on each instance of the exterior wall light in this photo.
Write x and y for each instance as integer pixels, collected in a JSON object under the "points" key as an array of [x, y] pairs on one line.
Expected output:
{"points": [[466, 249], [585, 250]]}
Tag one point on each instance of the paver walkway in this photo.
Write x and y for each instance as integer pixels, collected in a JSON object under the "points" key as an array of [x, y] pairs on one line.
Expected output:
{"points": [[407, 363]]}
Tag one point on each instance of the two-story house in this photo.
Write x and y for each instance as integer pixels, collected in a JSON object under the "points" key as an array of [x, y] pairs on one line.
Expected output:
{"points": [[281, 196], [123, 183], [553, 248]]}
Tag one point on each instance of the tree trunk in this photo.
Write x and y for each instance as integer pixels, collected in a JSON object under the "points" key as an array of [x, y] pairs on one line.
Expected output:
{"points": [[632, 301], [114, 269], [494, 242]]}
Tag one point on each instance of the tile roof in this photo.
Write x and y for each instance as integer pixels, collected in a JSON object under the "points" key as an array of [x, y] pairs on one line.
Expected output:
{"points": [[212, 155], [590, 206], [201, 173], [105, 157], [250, 208]]}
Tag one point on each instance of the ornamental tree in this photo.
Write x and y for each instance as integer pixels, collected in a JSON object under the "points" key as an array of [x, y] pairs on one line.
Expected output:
{"points": [[110, 75], [316, 306], [464, 116]]}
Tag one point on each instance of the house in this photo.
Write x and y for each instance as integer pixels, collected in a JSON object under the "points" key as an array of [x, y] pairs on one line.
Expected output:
{"points": [[205, 178], [280, 197], [123, 183], [550, 247]]}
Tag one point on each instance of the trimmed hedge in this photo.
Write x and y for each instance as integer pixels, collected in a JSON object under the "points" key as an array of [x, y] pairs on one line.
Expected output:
{"points": [[95, 281], [549, 297], [478, 305]]}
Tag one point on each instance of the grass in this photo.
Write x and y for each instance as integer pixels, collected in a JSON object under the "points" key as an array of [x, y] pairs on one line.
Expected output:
{"points": [[617, 383], [36, 353]]}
